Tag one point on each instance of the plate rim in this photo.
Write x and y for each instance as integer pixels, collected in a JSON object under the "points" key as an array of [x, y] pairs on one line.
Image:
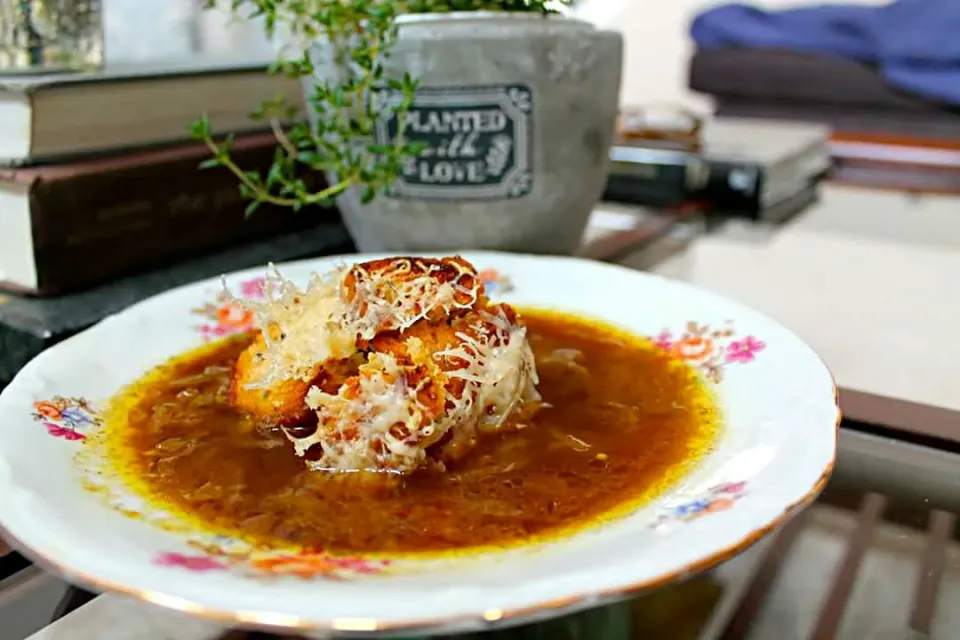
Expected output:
{"points": [[482, 619]]}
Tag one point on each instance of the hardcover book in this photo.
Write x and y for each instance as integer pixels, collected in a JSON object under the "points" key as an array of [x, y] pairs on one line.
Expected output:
{"points": [[74, 225], [47, 117]]}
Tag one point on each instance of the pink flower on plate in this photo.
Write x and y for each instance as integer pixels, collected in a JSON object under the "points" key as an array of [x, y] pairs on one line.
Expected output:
{"points": [[745, 350], [66, 433], [190, 563], [253, 289], [213, 331], [664, 340], [360, 565], [729, 487]]}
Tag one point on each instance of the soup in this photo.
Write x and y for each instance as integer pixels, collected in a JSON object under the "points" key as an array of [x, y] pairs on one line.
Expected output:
{"points": [[622, 422]]}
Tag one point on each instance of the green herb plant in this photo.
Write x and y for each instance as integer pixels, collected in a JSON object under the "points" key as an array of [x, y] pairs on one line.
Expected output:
{"points": [[342, 142]]}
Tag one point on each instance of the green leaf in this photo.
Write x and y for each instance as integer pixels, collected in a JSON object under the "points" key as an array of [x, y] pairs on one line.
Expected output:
{"points": [[251, 208], [415, 147], [199, 129], [369, 194]]}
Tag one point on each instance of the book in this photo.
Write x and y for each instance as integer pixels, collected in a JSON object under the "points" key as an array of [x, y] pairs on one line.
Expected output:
{"points": [[897, 162], [756, 164], [741, 165], [894, 176], [73, 225], [878, 150], [653, 175], [931, 154], [48, 116], [30, 325], [850, 120], [775, 213]]}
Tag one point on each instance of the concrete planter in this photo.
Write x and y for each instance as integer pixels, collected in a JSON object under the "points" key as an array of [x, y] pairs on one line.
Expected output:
{"points": [[518, 111]]}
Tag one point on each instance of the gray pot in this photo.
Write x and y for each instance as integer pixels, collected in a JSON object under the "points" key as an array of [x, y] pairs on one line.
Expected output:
{"points": [[518, 111]]}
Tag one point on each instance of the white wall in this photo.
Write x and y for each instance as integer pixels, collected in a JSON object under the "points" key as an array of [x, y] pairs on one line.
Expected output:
{"points": [[136, 30], [657, 45]]}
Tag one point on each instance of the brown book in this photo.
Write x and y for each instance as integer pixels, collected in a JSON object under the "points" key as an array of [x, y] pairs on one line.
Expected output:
{"points": [[71, 226]]}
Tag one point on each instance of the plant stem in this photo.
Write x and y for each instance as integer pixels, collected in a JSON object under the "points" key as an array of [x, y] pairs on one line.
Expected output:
{"points": [[267, 197], [282, 138]]}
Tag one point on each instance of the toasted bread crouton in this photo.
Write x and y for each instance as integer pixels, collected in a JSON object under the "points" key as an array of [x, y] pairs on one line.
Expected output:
{"points": [[284, 403], [387, 365], [280, 404]]}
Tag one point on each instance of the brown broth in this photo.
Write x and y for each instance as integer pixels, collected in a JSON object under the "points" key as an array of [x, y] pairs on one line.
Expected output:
{"points": [[622, 428]]}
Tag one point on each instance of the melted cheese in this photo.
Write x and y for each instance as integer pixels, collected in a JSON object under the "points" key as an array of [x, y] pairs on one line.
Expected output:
{"points": [[380, 423], [496, 362], [306, 327], [301, 327], [378, 419], [404, 292], [352, 421]]}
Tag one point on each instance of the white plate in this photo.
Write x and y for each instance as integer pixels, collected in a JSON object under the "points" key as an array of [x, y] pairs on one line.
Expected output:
{"points": [[774, 456]]}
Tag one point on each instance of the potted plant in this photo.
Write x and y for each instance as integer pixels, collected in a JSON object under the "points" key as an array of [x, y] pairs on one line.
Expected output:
{"points": [[441, 124]]}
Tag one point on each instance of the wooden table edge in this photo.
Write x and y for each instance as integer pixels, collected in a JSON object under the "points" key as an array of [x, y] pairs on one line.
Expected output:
{"points": [[900, 415]]}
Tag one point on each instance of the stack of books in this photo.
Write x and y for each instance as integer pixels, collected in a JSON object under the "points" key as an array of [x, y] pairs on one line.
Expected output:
{"points": [[103, 202], [882, 138], [913, 164], [99, 180], [740, 167]]}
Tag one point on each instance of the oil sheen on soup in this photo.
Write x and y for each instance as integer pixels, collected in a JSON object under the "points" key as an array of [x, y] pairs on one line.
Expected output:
{"points": [[624, 421]]}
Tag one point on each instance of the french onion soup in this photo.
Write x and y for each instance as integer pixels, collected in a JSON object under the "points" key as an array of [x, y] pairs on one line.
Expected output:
{"points": [[392, 407]]}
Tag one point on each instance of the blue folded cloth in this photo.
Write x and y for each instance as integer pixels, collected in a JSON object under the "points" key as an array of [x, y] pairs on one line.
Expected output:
{"points": [[915, 44]]}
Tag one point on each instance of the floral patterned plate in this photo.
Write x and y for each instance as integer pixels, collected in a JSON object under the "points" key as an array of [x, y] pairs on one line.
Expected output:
{"points": [[775, 453]]}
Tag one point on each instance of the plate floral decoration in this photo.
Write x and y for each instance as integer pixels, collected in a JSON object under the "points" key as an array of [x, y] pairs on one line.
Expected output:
{"points": [[774, 457]]}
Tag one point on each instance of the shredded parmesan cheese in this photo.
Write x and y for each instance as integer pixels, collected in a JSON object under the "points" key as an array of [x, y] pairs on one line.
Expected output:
{"points": [[382, 423], [395, 294], [301, 328]]}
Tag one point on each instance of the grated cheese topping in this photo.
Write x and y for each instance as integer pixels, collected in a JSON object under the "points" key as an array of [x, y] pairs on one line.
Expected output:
{"points": [[301, 327], [412, 394], [385, 422], [326, 320], [394, 294]]}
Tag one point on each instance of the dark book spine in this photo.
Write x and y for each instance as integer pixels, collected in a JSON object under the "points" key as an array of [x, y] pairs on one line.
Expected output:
{"points": [[91, 228], [735, 187], [654, 177]]}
